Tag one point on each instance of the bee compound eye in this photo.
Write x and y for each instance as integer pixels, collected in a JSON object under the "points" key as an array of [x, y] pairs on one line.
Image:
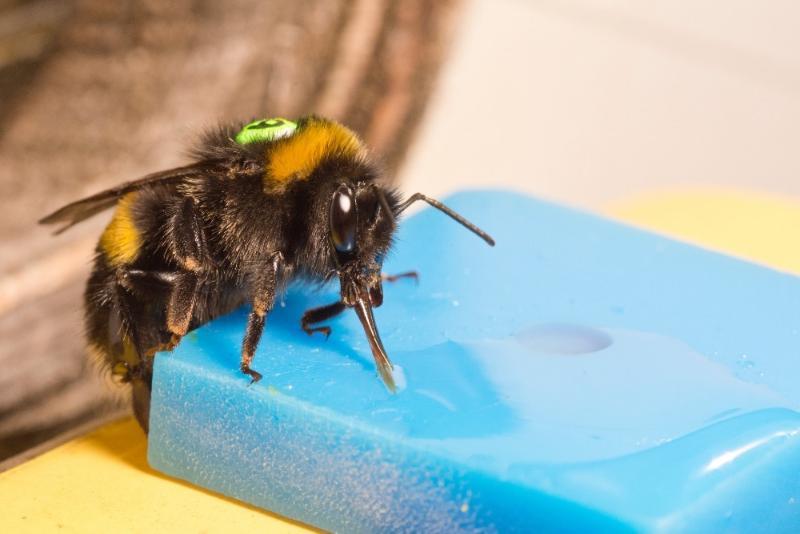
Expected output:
{"points": [[343, 220]]}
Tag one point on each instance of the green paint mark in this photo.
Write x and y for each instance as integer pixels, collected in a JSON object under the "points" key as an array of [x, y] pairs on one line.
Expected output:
{"points": [[265, 130]]}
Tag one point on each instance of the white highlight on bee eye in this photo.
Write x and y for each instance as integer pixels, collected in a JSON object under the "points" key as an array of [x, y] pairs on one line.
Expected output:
{"points": [[345, 203]]}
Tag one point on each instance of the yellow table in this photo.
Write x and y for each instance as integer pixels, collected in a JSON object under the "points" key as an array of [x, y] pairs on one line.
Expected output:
{"points": [[755, 226], [101, 482]]}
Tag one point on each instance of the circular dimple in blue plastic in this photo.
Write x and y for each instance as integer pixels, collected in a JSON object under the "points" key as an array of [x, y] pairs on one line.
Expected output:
{"points": [[567, 339]]}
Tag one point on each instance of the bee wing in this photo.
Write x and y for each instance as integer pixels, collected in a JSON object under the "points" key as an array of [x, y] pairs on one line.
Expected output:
{"points": [[80, 210]]}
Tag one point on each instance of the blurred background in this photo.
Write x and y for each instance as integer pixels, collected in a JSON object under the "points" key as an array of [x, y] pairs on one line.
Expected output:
{"points": [[582, 102]]}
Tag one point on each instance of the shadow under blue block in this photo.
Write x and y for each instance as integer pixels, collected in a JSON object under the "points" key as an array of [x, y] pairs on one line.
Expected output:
{"points": [[582, 375]]}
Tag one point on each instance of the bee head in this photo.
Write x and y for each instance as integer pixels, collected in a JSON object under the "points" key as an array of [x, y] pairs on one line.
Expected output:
{"points": [[349, 218], [361, 222]]}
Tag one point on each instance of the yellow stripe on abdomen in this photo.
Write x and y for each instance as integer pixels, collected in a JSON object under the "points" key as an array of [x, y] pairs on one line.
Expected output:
{"points": [[121, 240]]}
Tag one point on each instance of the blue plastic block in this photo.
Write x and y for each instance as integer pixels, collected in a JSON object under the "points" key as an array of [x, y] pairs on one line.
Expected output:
{"points": [[582, 375]]}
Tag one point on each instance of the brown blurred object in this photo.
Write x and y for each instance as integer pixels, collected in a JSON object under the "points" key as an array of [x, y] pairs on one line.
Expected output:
{"points": [[93, 93]]}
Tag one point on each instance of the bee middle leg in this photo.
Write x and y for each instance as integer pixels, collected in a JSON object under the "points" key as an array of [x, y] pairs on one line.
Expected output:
{"points": [[264, 284]]}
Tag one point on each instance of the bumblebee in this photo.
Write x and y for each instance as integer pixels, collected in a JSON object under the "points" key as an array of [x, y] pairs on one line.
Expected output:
{"points": [[261, 205]]}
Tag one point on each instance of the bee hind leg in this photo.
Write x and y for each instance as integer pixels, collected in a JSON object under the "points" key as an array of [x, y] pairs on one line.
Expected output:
{"points": [[317, 315], [187, 243], [180, 308], [141, 386], [150, 326]]}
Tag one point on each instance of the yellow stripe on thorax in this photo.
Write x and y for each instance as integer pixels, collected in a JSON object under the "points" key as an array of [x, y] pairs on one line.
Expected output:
{"points": [[121, 240], [296, 157]]}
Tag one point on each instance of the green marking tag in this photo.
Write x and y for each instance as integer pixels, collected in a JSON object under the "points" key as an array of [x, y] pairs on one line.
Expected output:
{"points": [[265, 130]]}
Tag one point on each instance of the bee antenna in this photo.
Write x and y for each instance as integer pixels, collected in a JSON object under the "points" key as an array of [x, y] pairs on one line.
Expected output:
{"points": [[452, 214]]}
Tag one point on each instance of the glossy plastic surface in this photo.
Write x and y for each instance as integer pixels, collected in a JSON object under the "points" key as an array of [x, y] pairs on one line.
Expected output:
{"points": [[581, 374]]}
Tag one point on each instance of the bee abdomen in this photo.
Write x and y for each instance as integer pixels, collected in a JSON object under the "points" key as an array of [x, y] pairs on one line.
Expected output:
{"points": [[121, 241]]}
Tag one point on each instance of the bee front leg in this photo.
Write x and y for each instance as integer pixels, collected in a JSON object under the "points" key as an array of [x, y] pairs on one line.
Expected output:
{"points": [[317, 315], [396, 277], [264, 285]]}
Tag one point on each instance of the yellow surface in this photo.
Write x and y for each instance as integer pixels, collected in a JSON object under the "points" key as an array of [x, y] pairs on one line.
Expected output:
{"points": [[101, 482], [756, 226]]}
